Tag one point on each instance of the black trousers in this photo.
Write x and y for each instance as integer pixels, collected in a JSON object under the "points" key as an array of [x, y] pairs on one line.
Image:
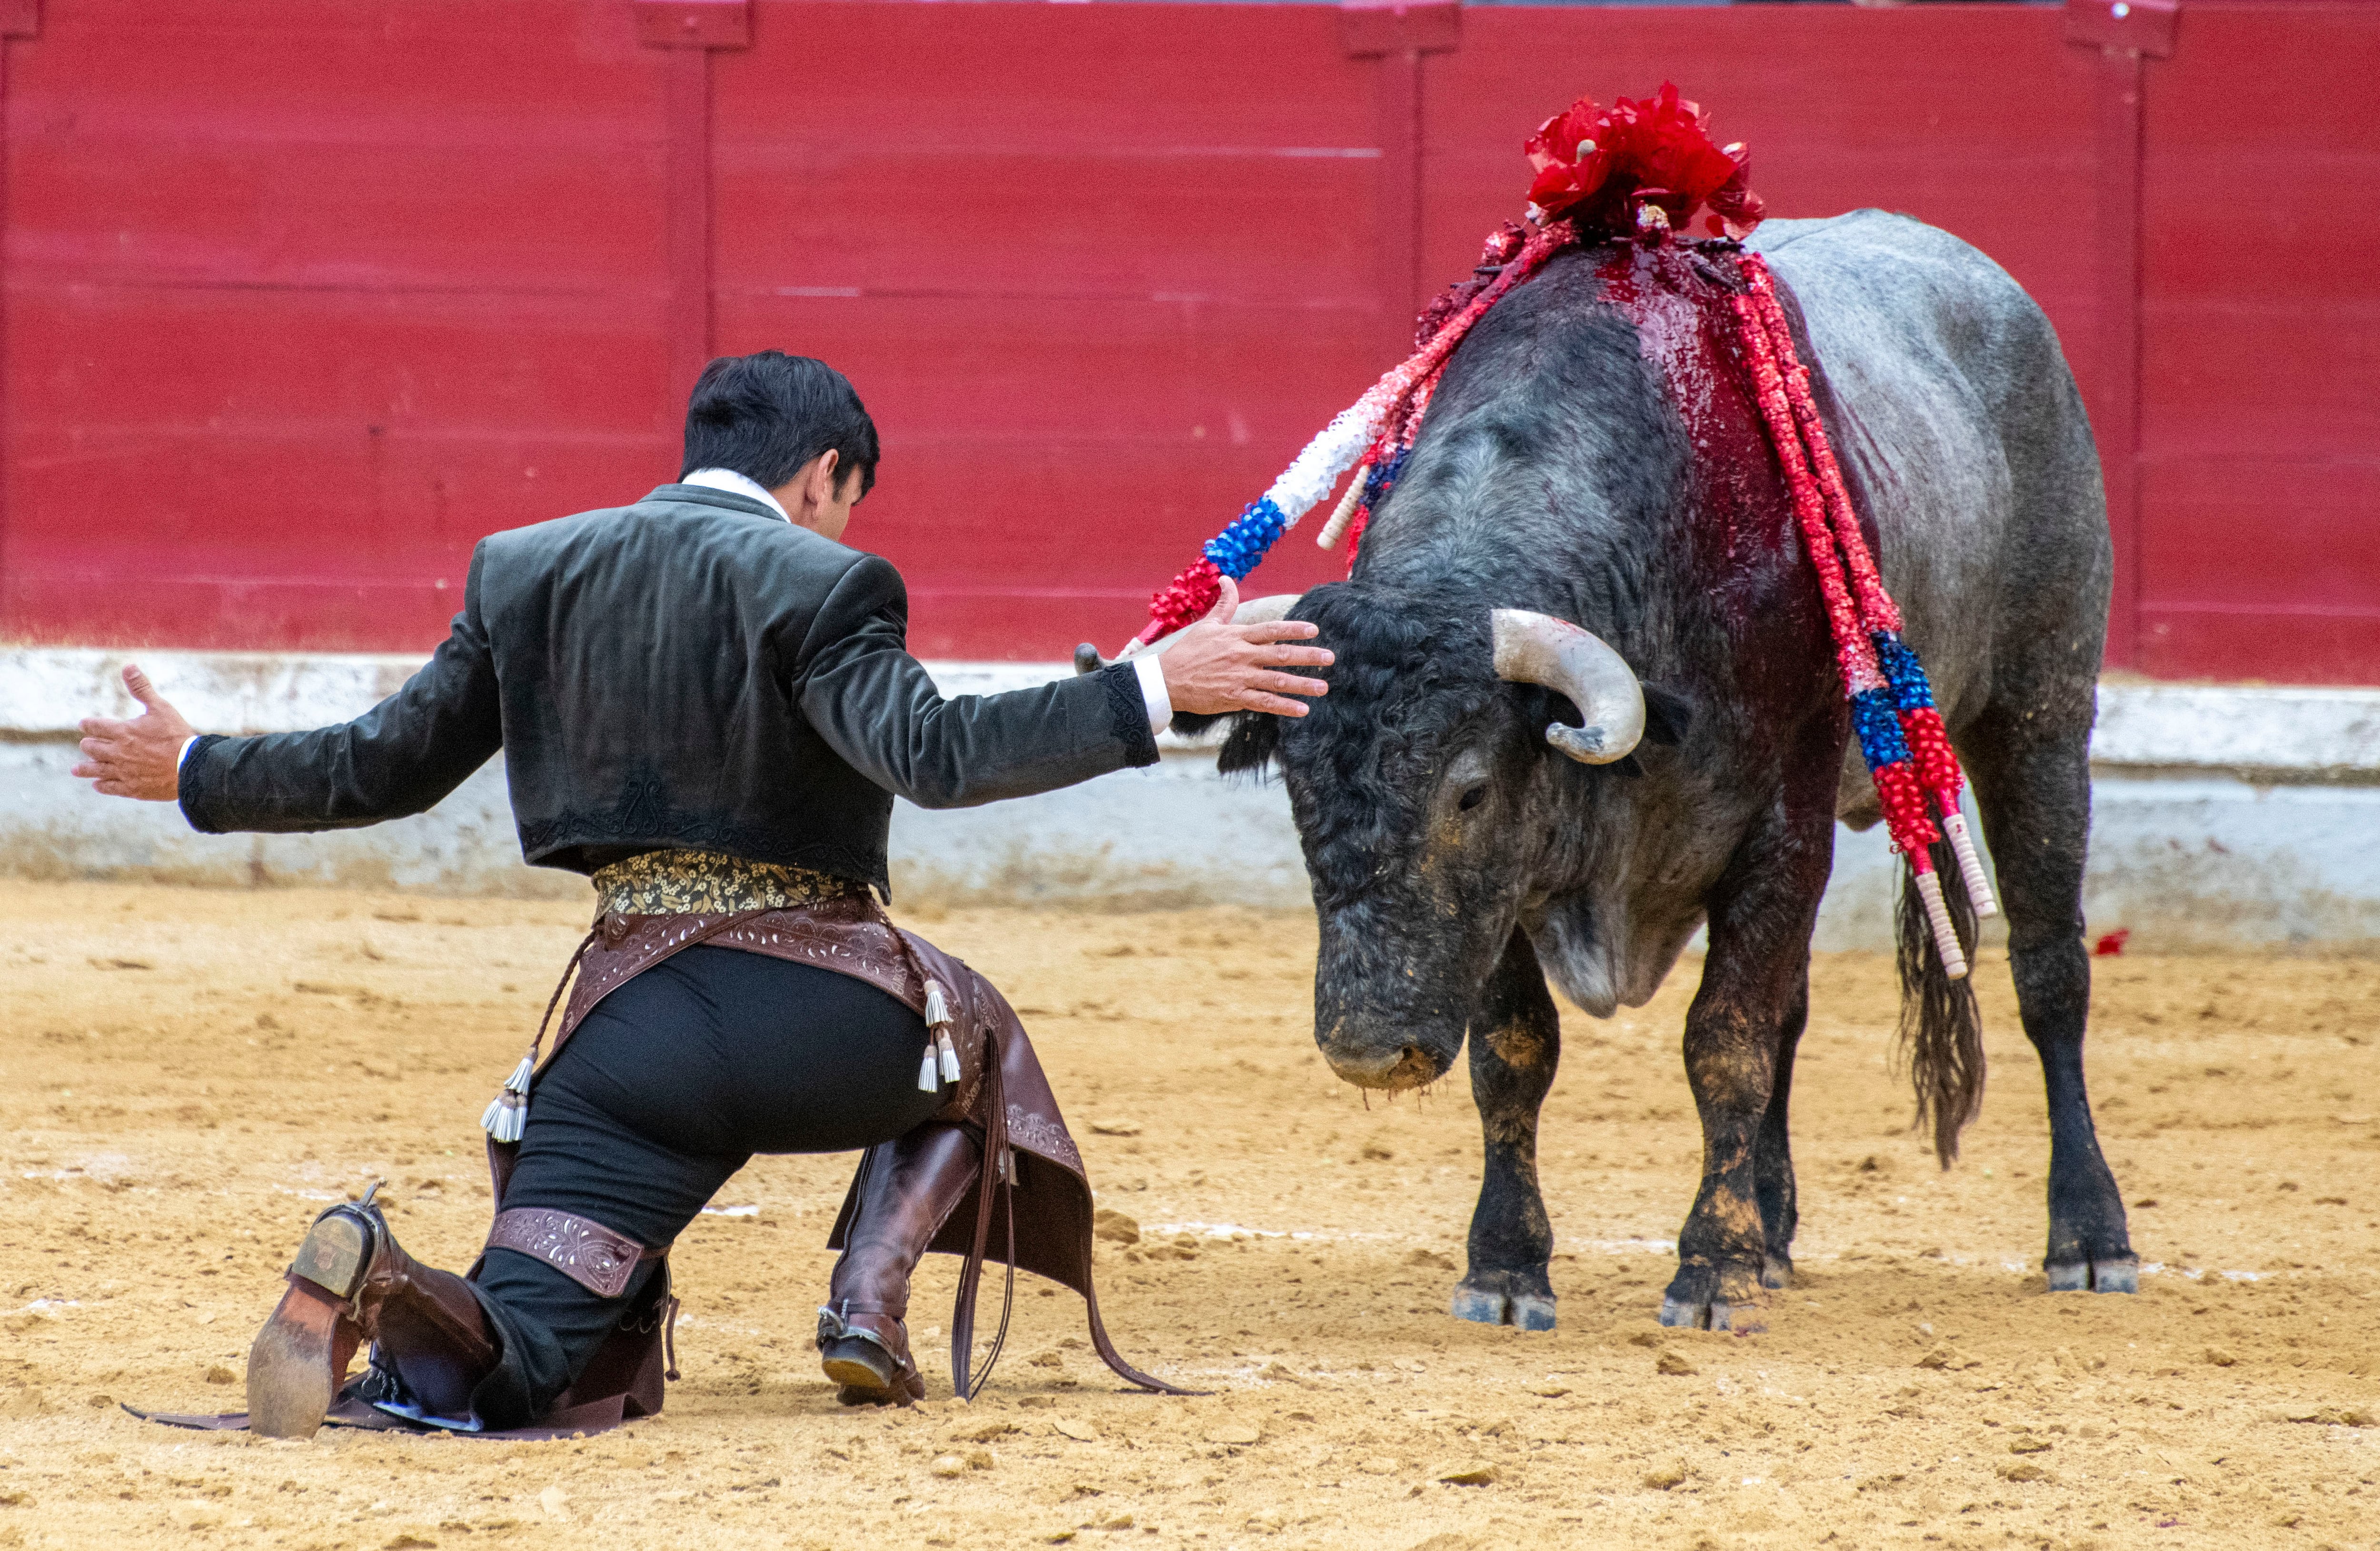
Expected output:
{"points": [[665, 1090]]}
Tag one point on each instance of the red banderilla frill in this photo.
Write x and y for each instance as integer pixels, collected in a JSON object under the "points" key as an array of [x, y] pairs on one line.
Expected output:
{"points": [[1900, 730]]}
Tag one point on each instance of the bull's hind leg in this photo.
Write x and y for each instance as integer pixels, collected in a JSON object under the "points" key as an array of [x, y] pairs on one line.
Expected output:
{"points": [[1772, 1164], [1515, 1045], [2033, 785]]}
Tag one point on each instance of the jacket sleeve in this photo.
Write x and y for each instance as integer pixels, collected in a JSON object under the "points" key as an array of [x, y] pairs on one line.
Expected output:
{"points": [[860, 690], [400, 758]]}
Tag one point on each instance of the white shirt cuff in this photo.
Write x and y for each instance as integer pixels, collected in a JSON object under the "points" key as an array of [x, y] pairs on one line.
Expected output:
{"points": [[184, 757], [1159, 705]]}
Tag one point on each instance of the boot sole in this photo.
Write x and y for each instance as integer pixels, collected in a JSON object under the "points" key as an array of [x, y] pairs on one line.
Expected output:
{"points": [[858, 1364], [289, 1378]]}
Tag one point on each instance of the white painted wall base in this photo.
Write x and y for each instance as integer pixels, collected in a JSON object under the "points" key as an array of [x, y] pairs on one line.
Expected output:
{"points": [[2225, 816]]}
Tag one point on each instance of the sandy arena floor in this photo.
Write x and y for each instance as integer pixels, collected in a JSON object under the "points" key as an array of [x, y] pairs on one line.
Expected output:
{"points": [[187, 1076]]}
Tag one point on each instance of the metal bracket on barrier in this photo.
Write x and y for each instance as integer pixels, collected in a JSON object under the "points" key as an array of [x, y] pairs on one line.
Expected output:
{"points": [[1371, 29], [2141, 26], [694, 23]]}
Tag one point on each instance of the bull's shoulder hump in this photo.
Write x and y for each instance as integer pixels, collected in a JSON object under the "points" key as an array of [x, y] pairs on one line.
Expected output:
{"points": [[1855, 229], [1878, 252], [1774, 233]]}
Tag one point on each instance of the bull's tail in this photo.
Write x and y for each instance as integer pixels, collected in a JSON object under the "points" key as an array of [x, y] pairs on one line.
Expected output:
{"points": [[1941, 1030]]}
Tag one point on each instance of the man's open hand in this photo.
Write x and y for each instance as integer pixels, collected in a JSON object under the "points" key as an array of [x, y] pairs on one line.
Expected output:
{"points": [[140, 757], [1215, 666]]}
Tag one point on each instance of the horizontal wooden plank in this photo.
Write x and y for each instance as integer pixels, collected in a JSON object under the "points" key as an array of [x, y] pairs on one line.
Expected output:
{"points": [[2248, 379], [2261, 533], [1077, 370], [1037, 151], [107, 602], [234, 359], [1038, 222], [2301, 646]]}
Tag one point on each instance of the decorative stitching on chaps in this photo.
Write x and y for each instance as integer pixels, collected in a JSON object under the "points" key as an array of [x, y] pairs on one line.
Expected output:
{"points": [[1041, 1136], [588, 1253]]}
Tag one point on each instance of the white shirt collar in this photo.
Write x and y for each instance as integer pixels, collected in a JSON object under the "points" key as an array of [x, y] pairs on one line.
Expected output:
{"points": [[734, 484]]}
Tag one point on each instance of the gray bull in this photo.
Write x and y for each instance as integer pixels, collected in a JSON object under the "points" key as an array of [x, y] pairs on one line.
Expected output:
{"points": [[1592, 459]]}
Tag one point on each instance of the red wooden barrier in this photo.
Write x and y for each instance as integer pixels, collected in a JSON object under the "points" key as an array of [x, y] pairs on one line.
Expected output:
{"points": [[303, 296]]}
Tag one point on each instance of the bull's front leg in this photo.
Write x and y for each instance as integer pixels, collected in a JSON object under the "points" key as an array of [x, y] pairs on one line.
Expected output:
{"points": [[1515, 1045], [1739, 1034]]}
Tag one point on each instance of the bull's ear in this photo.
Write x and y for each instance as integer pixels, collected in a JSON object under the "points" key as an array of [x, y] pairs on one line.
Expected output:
{"points": [[1667, 715], [1250, 744]]}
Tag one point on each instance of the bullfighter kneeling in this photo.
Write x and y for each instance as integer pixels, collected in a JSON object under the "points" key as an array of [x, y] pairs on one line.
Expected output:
{"points": [[705, 702]]}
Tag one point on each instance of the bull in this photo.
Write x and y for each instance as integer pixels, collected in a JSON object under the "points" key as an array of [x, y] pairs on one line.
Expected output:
{"points": [[1584, 704]]}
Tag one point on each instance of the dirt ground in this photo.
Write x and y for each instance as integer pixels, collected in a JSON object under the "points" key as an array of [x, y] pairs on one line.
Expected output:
{"points": [[186, 1076]]}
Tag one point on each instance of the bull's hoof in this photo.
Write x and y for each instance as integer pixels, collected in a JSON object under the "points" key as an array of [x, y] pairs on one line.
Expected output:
{"points": [[1525, 1311], [1777, 1271], [1723, 1296], [2116, 1274], [1744, 1319], [1532, 1313]]}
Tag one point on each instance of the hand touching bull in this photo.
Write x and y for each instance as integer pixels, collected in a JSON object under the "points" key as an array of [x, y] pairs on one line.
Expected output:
{"points": [[1219, 665]]}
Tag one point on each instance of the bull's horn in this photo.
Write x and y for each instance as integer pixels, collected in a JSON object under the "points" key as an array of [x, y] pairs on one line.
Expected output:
{"points": [[1267, 609], [1255, 610], [1539, 648]]}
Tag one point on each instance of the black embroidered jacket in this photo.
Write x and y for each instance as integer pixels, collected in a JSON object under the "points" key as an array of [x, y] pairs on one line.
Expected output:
{"points": [[691, 670]]}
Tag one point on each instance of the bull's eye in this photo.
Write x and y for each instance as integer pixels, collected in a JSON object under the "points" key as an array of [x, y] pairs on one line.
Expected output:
{"points": [[1474, 797]]}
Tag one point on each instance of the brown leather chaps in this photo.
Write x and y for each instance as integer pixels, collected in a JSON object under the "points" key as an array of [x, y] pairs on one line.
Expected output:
{"points": [[929, 1191], [993, 1175]]}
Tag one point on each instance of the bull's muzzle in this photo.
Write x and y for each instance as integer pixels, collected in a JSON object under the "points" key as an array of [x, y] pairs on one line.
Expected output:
{"points": [[1387, 1067]]}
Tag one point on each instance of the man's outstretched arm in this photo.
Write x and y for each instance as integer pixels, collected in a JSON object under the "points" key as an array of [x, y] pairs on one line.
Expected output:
{"points": [[400, 758], [877, 708]]}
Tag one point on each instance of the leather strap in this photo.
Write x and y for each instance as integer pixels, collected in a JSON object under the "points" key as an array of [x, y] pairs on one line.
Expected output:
{"points": [[581, 1248], [994, 1171]]}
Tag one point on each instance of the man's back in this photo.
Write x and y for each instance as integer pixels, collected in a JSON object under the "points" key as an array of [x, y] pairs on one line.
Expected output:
{"points": [[644, 660]]}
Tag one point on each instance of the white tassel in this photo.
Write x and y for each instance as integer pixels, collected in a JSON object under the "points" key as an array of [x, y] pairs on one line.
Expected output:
{"points": [[507, 1115], [1971, 865], [1946, 938], [506, 1118], [941, 1062]]}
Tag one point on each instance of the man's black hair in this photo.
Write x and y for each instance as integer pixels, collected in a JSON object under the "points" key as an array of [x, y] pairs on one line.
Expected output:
{"points": [[767, 414]]}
